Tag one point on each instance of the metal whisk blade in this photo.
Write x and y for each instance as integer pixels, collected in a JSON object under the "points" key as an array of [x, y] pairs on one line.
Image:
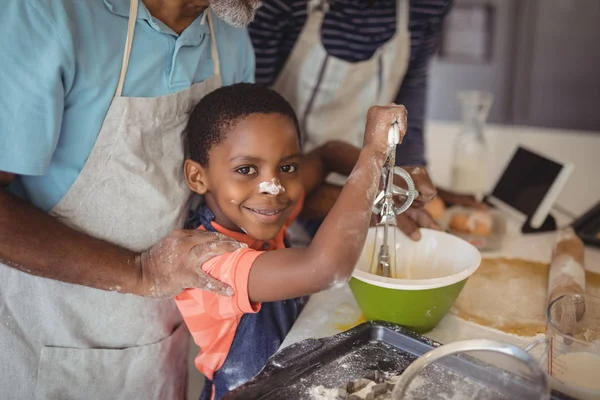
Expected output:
{"points": [[384, 253]]}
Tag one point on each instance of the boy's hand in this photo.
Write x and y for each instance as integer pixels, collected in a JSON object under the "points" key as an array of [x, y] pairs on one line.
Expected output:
{"points": [[379, 121]]}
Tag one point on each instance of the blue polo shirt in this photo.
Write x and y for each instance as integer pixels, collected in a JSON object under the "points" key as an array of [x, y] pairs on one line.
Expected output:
{"points": [[59, 69]]}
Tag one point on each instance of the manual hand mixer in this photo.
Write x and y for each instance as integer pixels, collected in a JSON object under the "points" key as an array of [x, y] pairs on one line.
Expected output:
{"points": [[384, 260]]}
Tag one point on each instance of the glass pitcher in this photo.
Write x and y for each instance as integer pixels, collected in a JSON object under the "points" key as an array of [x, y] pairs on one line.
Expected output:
{"points": [[469, 167]]}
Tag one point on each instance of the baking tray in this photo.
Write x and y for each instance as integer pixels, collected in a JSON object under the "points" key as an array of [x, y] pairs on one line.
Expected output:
{"points": [[350, 355], [587, 226]]}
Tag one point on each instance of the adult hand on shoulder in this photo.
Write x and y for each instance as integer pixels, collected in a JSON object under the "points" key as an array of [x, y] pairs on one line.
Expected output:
{"points": [[174, 263]]}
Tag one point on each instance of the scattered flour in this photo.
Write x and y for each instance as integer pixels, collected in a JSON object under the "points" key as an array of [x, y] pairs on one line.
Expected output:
{"points": [[338, 283], [362, 393], [322, 393], [434, 383]]}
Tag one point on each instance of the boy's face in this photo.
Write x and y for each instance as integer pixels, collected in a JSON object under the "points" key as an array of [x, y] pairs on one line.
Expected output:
{"points": [[252, 181]]}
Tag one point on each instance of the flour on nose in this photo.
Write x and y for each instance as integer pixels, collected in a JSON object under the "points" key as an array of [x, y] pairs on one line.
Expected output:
{"points": [[271, 187]]}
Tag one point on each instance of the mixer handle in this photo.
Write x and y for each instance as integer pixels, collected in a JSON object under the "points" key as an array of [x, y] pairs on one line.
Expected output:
{"points": [[410, 194]]}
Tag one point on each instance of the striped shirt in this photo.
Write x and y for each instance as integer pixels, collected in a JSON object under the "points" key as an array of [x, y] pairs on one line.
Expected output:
{"points": [[353, 30]]}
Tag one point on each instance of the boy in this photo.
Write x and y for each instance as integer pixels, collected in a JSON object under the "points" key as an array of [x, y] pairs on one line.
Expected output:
{"points": [[244, 149]]}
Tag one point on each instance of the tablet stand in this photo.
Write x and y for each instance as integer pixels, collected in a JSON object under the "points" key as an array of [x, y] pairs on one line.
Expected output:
{"points": [[549, 225]]}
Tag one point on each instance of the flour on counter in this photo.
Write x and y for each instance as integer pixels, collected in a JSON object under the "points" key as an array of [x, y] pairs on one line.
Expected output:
{"points": [[322, 393]]}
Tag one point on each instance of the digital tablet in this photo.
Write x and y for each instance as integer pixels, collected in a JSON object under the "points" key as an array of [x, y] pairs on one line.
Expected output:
{"points": [[529, 186]]}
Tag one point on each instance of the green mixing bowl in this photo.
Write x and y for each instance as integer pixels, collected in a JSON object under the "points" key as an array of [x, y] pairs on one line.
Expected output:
{"points": [[428, 278]]}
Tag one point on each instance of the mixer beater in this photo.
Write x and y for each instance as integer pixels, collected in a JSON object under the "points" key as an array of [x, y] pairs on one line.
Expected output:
{"points": [[384, 253]]}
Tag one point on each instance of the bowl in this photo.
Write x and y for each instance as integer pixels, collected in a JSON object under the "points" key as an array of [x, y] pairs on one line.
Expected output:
{"points": [[438, 266]]}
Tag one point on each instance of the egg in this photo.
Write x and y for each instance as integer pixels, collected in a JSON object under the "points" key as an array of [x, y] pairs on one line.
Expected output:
{"points": [[436, 208], [474, 222], [458, 222]]}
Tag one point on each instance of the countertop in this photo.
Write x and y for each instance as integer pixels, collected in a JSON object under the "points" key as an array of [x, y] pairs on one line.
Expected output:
{"points": [[335, 310]]}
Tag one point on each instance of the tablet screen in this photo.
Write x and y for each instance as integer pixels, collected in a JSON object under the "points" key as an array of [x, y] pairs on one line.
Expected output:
{"points": [[526, 181]]}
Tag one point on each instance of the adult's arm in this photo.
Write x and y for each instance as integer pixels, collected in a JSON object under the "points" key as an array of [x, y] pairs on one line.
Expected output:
{"points": [[271, 26], [341, 157], [426, 31], [334, 251], [35, 243], [34, 82]]}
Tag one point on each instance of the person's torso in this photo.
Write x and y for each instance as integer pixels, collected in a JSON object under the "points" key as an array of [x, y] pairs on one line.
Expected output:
{"points": [[352, 30], [161, 63], [252, 338], [330, 93]]}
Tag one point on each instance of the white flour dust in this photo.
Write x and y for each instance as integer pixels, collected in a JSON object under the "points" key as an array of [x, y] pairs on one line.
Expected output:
{"points": [[566, 267], [434, 383], [272, 187], [338, 282], [418, 171], [322, 393]]}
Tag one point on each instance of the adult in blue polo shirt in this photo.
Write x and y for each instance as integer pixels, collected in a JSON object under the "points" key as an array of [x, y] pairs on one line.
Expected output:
{"points": [[95, 96]]}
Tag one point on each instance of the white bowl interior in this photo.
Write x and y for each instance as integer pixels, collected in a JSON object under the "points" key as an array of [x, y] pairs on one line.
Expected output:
{"points": [[438, 259]]}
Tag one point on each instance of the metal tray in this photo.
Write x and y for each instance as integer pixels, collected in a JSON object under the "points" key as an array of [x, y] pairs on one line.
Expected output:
{"points": [[333, 361]]}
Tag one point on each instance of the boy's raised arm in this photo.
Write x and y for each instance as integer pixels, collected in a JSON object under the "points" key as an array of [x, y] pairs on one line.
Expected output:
{"points": [[332, 254]]}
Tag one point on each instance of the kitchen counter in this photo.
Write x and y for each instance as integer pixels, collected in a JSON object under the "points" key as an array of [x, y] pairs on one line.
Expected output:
{"points": [[335, 310], [580, 193]]}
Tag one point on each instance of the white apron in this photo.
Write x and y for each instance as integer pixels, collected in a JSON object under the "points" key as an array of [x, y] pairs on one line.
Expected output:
{"points": [[331, 96], [62, 341]]}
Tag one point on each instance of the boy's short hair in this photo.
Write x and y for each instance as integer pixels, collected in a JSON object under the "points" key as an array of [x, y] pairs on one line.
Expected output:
{"points": [[219, 111]]}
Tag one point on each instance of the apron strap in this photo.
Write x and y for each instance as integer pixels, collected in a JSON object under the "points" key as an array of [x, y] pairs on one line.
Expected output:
{"points": [[133, 10], [213, 45], [321, 5], [402, 15]]}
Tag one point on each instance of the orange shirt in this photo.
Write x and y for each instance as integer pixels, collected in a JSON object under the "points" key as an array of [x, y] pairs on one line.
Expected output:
{"points": [[213, 319]]}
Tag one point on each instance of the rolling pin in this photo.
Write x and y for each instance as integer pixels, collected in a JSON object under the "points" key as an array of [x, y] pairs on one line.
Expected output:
{"points": [[567, 276]]}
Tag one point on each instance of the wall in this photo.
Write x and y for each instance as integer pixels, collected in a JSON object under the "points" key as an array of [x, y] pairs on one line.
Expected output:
{"points": [[543, 68], [558, 84], [448, 76], [581, 148]]}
